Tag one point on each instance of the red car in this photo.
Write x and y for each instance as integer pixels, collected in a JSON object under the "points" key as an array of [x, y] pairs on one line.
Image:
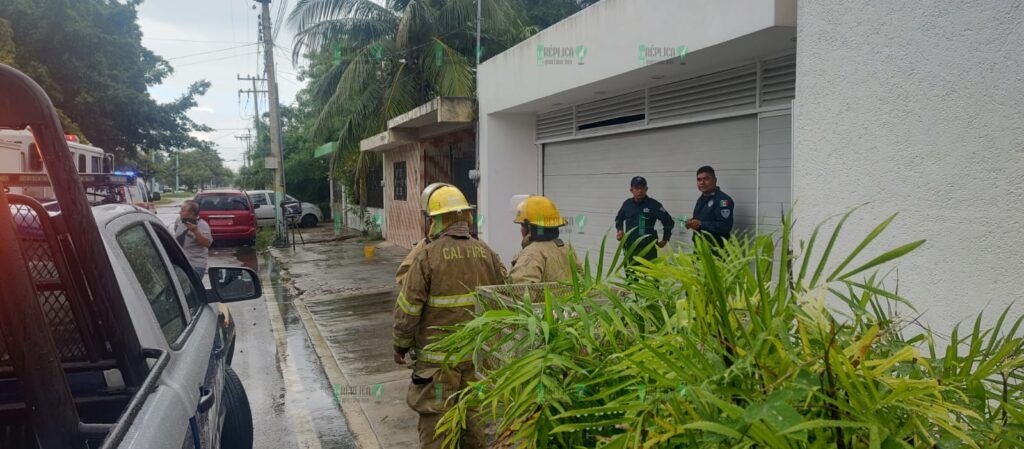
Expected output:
{"points": [[229, 213]]}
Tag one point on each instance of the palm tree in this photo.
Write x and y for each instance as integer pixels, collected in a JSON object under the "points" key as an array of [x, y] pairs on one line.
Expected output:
{"points": [[387, 59], [394, 56]]}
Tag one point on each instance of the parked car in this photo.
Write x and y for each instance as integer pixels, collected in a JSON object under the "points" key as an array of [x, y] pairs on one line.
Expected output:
{"points": [[107, 337], [265, 215], [230, 214]]}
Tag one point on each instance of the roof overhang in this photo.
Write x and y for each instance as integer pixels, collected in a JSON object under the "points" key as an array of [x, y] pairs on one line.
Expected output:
{"points": [[439, 116], [718, 35]]}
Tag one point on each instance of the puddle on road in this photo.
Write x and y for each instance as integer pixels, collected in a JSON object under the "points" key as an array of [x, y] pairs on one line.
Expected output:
{"points": [[316, 395]]}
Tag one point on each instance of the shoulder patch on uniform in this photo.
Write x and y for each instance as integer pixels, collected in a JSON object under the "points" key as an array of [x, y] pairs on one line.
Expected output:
{"points": [[724, 203], [726, 213]]}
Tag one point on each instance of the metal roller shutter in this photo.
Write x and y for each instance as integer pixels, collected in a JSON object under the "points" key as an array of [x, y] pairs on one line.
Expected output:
{"points": [[590, 177]]}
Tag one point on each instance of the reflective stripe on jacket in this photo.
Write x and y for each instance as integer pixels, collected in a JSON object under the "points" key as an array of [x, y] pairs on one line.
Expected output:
{"points": [[438, 288]]}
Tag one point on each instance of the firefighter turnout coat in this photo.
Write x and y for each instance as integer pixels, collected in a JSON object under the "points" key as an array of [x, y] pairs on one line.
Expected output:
{"points": [[439, 286], [537, 262]]}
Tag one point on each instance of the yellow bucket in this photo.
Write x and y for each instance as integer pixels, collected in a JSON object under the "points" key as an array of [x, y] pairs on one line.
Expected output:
{"points": [[369, 251]]}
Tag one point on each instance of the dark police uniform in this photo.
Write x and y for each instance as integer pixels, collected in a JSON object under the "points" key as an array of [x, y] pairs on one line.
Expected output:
{"points": [[640, 217], [715, 213]]}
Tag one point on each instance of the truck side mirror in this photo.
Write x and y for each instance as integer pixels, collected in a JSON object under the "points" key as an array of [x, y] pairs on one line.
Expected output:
{"points": [[233, 284]]}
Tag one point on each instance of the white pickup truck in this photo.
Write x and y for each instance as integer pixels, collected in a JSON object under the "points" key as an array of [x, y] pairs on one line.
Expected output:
{"points": [[107, 339]]}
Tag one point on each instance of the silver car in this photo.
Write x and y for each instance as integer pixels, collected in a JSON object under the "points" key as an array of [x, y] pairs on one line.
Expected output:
{"points": [[264, 202]]}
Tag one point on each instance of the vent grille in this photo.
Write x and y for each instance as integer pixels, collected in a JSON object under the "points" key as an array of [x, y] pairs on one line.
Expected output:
{"points": [[778, 81], [616, 110], [737, 90], [554, 124], [721, 92]]}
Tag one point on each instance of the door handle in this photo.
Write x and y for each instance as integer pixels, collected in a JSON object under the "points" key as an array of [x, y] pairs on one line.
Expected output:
{"points": [[206, 399]]}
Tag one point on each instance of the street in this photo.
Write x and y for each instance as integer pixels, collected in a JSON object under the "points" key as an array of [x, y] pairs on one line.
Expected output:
{"points": [[291, 399]]}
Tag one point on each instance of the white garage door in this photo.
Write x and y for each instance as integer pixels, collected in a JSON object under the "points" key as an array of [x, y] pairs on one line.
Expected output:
{"points": [[589, 178]]}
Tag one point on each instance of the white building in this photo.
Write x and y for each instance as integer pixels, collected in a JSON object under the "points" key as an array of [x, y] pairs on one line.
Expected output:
{"points": [[911, 106]]}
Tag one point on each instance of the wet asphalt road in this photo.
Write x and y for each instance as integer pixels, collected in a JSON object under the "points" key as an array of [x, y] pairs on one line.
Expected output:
{"points": [[292, 401]]}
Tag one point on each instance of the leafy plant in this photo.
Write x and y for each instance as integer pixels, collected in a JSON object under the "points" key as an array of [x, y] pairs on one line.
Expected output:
{"points": [[265, 238], [752, 344]]}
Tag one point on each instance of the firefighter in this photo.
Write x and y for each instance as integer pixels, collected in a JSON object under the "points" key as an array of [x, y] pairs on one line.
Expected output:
{"points": [[438, 291], [403, 268], [544, 257]]}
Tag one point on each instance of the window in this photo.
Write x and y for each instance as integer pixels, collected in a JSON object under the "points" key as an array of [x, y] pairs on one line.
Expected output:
{"points": [[97, 167], [374, 179], [35, 160], [259, 199], [191, 297], [136, 194], [222, 202], [400, 182], [81, 163], [145, 261]]}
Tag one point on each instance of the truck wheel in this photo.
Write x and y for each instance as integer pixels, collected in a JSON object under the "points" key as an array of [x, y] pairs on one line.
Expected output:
{"points": [[237, 431], [308, 221]]}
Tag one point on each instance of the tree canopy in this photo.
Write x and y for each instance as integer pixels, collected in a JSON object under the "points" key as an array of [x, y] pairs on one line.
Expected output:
{"points": [[88, 56]]}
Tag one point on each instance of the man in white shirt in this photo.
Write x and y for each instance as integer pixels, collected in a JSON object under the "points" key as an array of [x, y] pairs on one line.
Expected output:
{"points": [[194, 236]]}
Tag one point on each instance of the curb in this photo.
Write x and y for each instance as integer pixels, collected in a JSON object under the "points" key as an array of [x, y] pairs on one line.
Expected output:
{"points": [[358, 422], [355, 418]]}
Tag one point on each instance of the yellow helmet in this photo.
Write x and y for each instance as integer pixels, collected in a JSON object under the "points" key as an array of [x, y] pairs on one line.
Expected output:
{"points": [[425, 196], [538, 210], [446, 199]]}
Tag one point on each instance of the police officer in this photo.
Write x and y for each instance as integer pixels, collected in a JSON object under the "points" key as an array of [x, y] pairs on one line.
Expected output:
{"points": [[544, 257], [638, 215], [713, 213], [438, 291]]}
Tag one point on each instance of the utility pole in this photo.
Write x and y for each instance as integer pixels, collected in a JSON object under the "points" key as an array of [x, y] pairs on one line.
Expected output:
{"points": [[276, 154], [247, 138], [177, 186], [255, 96]]}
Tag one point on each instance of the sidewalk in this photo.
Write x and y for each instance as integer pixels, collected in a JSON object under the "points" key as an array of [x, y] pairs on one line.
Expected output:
{"points": [[345, 302]]}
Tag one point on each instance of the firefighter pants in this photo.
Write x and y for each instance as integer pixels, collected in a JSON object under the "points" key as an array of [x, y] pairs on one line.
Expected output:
{"points": [[429, 391]]}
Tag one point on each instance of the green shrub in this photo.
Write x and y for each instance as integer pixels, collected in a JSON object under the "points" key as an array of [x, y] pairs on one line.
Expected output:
{"points": [[265, 238], [754, 344]]}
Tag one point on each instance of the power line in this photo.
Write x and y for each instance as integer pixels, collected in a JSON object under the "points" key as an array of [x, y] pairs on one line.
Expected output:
{"points": [[211, 51], [211, 60], [197, 41]]}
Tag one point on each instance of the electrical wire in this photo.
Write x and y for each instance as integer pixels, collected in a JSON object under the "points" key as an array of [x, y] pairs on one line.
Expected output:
{"points": [[210, 52], [197, 41], [211, 60]]}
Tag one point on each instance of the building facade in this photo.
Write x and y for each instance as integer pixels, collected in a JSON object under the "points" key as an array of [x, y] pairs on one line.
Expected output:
{"points": [[432, 143], [912, 107], [655, 88]]}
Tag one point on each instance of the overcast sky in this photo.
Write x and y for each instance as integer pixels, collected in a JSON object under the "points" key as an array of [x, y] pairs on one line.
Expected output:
{"points": [[215, 40]]}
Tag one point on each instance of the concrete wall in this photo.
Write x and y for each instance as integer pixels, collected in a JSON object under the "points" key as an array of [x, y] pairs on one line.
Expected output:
{"points": [[917, 107], [510, 166]]}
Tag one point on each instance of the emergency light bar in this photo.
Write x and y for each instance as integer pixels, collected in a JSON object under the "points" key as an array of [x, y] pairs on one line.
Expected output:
{"points": [[35, 180]]}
